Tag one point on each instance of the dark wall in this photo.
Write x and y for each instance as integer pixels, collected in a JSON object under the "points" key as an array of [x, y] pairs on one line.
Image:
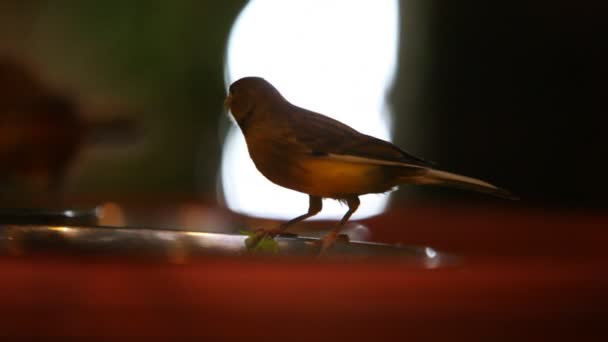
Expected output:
{"points": [[514, 93]]}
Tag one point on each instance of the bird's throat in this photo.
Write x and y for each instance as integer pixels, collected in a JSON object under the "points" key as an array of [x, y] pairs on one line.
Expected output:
{"points": [[244, 120]]}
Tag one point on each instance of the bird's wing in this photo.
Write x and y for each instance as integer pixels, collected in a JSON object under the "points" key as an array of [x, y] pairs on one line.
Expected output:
{"points": [[324, 136]]}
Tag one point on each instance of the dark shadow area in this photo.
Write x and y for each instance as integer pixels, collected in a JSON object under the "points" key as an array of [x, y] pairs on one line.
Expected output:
{"points": [[513, 92]]}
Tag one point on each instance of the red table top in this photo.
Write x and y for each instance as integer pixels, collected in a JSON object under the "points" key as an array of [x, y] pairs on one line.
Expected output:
{"points": [[524, 275]]}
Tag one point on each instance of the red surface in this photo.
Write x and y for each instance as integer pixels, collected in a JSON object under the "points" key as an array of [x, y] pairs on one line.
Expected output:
{"points": [[533, 276]]}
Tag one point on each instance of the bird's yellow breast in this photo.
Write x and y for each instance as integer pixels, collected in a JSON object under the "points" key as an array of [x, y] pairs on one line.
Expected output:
{"points": [[288, 165], [332, 178]]}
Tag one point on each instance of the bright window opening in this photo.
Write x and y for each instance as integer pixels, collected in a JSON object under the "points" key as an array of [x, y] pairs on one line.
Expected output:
{"points": [[337, 58]]}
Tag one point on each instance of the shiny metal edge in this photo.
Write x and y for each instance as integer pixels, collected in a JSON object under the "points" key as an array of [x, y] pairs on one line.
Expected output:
{"points": [[24, 239]]}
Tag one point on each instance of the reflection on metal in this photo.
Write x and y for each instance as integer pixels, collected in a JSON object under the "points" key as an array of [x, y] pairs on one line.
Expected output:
{"points": [[214, 241], [182, 246], [356, 231], [65, 230], [431, 253], [334, 57]]}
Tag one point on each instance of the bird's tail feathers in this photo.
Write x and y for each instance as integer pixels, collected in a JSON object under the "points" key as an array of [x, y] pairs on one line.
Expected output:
{"points": [[443, 178]]}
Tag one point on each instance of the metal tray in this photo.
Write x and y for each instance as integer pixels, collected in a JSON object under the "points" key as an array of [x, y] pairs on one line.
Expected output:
{"points": [[180, 246]]}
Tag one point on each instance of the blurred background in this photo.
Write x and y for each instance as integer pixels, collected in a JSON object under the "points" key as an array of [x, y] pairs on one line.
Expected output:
{"points": [[119, 105], [104, 101]]}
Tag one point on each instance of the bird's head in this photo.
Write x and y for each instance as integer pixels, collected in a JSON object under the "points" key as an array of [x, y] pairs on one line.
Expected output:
{"points": [[249, 93]]}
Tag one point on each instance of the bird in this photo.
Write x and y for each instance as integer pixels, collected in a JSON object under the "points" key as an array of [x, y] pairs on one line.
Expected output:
{"points": [[311, 153]]}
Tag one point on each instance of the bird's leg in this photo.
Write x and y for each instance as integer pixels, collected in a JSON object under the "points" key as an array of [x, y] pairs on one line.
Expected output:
{"points": [[328, 240], [315, 204]]}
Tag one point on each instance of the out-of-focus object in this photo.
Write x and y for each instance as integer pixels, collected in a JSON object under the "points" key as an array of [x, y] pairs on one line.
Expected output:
{"points": [[42, 130], [39, 130], [57, 217], [111, 214]]}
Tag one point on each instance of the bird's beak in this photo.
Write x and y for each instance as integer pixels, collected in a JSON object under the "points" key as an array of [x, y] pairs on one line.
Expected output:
{"points": [[228, 102]]}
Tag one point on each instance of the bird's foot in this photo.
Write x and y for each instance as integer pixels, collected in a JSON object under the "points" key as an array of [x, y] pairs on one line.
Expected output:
{"points": [[329, 240], [254, 241]]}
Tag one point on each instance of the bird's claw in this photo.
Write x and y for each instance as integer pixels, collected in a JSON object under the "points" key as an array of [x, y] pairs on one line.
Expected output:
{"points": [[329, 240], [254, 241]]}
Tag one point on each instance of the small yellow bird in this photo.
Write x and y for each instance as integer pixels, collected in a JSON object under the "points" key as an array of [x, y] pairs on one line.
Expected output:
{"points": [[324, 158]]}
